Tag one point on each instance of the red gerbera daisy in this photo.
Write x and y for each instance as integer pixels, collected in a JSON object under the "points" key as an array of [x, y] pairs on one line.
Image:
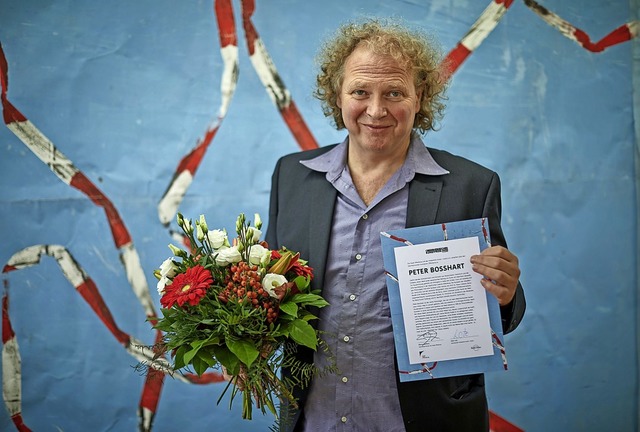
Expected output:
{"points": [[189, 286]]}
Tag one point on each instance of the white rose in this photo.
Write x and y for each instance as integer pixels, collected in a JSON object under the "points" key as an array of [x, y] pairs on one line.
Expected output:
{"points": [[227, 256], [259, 254], [271, 281], [162, 283], [168, 268], [218, 238]]}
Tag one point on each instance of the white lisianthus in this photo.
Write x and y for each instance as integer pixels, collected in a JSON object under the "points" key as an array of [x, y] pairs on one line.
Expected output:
{"points": [[187, 226], [257, 222], [240, 222], [229, 255], [203, 223], [259, 255], [253, 235], [271, 281], [162, 283], [168, 268], [177, 251], [218, 238], [199, 232]]}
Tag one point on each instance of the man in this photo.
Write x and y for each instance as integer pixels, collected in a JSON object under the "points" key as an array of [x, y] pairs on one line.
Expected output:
{"points": [[381, 83]]}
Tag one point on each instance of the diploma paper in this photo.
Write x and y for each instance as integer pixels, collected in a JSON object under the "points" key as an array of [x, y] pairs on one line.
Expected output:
{"points": [[441, 232], [444, 306]]}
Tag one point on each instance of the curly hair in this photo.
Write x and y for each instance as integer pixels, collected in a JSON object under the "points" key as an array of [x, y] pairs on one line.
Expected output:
{"points": [[415, 50]]}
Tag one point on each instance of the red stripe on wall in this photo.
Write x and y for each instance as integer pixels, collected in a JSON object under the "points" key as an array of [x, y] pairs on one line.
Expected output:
{"points": [[9, 112], [7, 329], [17, 420], [191, 161], [248, 7], [619, 35], [499, 424], [89, 292], [226, 25], [118, 230], [298, 127], [506, 3], [152, 385], [453, 60], [4, 72]]}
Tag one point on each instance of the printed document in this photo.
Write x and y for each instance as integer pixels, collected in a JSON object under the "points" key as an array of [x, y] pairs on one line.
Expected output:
{"points": [[444, 306]]}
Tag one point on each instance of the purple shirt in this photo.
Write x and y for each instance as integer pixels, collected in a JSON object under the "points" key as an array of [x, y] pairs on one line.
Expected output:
{"points": [[357, 324]]}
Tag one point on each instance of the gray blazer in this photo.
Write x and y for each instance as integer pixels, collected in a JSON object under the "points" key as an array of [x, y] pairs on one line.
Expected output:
{"points": [[300, 218]]}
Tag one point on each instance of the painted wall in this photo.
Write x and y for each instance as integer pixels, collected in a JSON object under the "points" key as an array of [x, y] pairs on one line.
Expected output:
{"points": [[125, 90]]}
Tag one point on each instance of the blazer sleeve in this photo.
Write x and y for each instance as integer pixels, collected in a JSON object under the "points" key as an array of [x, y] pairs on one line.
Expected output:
{"points": [[271, 236], [512, 313]]}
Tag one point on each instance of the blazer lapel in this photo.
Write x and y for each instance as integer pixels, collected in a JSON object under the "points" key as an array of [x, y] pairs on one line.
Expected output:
{"points": [[322, 199], [424, 198]]}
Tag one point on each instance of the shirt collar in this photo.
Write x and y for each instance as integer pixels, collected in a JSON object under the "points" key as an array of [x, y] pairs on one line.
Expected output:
{"points": [[418, 161]]}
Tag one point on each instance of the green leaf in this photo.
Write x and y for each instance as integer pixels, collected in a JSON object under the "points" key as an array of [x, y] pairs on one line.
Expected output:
{"points": [[163, 325], [227, 359], [302, 282], [310, 300], [303, 334], [196, 346], [189, 355], [290, 308], [245, 350], [307, 316], [179, 362], [200, 366], [283, 330], [206, 355]]}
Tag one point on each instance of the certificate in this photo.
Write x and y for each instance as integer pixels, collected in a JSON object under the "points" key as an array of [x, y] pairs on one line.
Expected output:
{"points": [[444, 306], [444, 322]]}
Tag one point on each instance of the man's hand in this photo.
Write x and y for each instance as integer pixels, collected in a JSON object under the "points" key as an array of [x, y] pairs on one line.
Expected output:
{"points": [[238, 380], [500, 270]]}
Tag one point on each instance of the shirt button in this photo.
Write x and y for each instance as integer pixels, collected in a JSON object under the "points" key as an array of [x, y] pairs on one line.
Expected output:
{"points": [[346, 338], [345, 379], [365, 216], [352, 297], [343, 419], [358, 257]]}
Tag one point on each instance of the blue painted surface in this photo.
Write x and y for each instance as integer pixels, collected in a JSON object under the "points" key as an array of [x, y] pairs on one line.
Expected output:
{"points": [[125, 89]]}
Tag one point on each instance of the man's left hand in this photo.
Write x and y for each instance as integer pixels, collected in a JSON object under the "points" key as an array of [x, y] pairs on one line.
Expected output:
{"points": [[500, 270]]}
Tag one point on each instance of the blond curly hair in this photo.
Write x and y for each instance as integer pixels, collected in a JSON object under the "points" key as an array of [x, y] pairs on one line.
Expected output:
{"points": [[415, 50]]}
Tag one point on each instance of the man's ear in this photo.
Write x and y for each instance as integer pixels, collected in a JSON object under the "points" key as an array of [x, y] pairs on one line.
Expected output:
{"points": [[419, 99], [339, 101]]}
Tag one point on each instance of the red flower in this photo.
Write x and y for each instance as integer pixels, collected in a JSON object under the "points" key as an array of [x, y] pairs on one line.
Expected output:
{"points": [[190, 286], [302, 270], [295, 266]]}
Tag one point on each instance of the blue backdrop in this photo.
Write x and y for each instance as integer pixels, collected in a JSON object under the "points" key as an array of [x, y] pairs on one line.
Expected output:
{"points": [[126, 89]]}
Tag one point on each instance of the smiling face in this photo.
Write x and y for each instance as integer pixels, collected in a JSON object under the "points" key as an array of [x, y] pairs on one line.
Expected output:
{"points": [[379, 102]]}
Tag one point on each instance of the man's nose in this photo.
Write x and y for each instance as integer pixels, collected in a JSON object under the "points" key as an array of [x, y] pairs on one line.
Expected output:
{"points": [[377, 107]]}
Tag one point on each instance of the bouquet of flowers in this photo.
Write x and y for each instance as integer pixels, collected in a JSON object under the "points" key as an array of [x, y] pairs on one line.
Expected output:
{"points": [[238, 307]]}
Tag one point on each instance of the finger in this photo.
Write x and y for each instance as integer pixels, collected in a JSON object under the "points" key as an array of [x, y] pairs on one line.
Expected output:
{"points": [[237, 380], [496, 253], [500, 271], [498, 261], [502, 293]]}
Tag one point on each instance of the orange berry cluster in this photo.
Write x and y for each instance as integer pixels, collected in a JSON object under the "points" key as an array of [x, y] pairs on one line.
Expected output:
{"points": [[242, 284]]}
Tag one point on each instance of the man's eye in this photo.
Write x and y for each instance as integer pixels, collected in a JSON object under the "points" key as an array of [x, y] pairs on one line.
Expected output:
{"points": [[359, 93], [395, 94]]}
